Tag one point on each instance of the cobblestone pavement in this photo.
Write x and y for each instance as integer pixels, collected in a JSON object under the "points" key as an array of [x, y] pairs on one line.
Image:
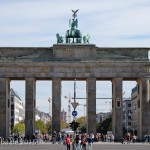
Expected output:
{"points": [[96, 146]]}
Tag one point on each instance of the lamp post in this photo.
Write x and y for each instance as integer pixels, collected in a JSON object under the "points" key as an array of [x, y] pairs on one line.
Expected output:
{"points": [[49, 100], [74, 92], [69, 107]]}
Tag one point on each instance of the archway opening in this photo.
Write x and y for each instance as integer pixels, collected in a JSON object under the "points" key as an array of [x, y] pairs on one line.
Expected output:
{"points": [[130, 107], [71, 89], [104, 107], [43, 110], [17, 102]]}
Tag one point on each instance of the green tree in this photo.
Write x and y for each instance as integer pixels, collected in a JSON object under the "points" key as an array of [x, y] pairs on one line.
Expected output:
{"points": [[19, 128], [49, 127], [105, 126], [64, 124], [82, 121], [41, 126]]}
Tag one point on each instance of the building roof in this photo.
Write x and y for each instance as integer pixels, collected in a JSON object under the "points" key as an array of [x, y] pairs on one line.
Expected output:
{"points": [[126, 99], [14, 93]]}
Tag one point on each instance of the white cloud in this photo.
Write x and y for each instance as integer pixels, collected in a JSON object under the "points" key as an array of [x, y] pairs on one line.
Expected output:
{"points": [[103, 19]]}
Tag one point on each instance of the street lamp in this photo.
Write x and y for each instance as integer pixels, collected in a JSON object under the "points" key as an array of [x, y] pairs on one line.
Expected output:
{"points": [[69, 107], [49, 100]]}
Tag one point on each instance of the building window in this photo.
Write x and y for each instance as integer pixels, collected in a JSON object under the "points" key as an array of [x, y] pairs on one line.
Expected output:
{"points": [[129, 123], [129, 105], [129, 112], [129, 117]]}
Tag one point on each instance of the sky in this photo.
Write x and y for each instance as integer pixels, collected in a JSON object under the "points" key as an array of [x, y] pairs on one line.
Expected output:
{"points": [[110, 23]]}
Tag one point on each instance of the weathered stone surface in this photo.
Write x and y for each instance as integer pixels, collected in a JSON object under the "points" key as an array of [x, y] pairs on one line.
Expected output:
{"points": [[56, 104], [4, 107], [117, 116], [74, 61], [91, 105], [72, 52], [30, 106]]}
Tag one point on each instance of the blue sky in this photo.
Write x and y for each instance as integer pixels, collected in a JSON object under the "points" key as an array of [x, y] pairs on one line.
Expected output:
{"points": [[110, 23]]}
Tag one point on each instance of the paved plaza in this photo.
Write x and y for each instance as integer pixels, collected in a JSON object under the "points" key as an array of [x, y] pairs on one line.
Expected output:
{"points": [[96, 146]]}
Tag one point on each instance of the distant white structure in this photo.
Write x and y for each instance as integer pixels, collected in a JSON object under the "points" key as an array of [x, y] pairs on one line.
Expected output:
{"points": [[63, 116], [127, 113], [17, 108], [100, 117], [45, 117], [135, 109]]}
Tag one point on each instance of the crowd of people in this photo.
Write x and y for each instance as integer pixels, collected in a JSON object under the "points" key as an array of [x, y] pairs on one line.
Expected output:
{"points": [[128, 138], [76, 141], [80, 141]]}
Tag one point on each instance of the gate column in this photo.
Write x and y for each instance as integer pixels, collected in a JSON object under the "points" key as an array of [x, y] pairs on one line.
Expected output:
{"points": [[144, 107], [30, 107], [117, 108], [56, 104], [4, 107], [91, 105]]}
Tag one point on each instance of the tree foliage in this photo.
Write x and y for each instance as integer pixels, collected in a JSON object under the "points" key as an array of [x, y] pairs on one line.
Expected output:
{"points": [[105, 126], [82, 121], [49, 127], [39, 125], [19, 128], [64, 124]]}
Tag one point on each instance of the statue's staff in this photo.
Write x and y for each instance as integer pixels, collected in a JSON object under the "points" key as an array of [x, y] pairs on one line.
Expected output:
{"points": [[75, 13]]}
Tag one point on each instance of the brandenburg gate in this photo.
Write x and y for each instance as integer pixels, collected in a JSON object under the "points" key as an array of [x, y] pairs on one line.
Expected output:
{"points": [[74, 58]]}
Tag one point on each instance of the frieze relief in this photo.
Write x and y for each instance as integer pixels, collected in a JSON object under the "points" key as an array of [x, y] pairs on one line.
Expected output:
{"points": [[73, 53]]}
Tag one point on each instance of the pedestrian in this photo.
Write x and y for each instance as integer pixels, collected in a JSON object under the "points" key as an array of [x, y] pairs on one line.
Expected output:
{"points": [[54, 137], [84, 142], [134, 138], [68, 142], [90, 142], [73, 142], [112, 138], [77, 144], [59, 138]]}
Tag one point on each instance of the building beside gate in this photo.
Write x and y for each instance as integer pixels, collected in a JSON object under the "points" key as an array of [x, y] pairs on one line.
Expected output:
{"points": [[17, 108]]}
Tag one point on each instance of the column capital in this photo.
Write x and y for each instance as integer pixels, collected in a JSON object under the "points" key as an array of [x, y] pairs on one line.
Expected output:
{"points": [[91, 78], [30, 79], [143, 79], [117, 79], [56, 78]]}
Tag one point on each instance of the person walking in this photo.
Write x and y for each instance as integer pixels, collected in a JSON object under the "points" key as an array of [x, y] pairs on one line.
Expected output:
{"points": [[90, 142], [84, 143], [77, 144], [112, 138], [68, 142], [73, 142], [54, 137]]}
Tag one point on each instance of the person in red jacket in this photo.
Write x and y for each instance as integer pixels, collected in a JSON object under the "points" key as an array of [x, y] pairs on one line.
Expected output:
{"points": [[68, 142]]}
